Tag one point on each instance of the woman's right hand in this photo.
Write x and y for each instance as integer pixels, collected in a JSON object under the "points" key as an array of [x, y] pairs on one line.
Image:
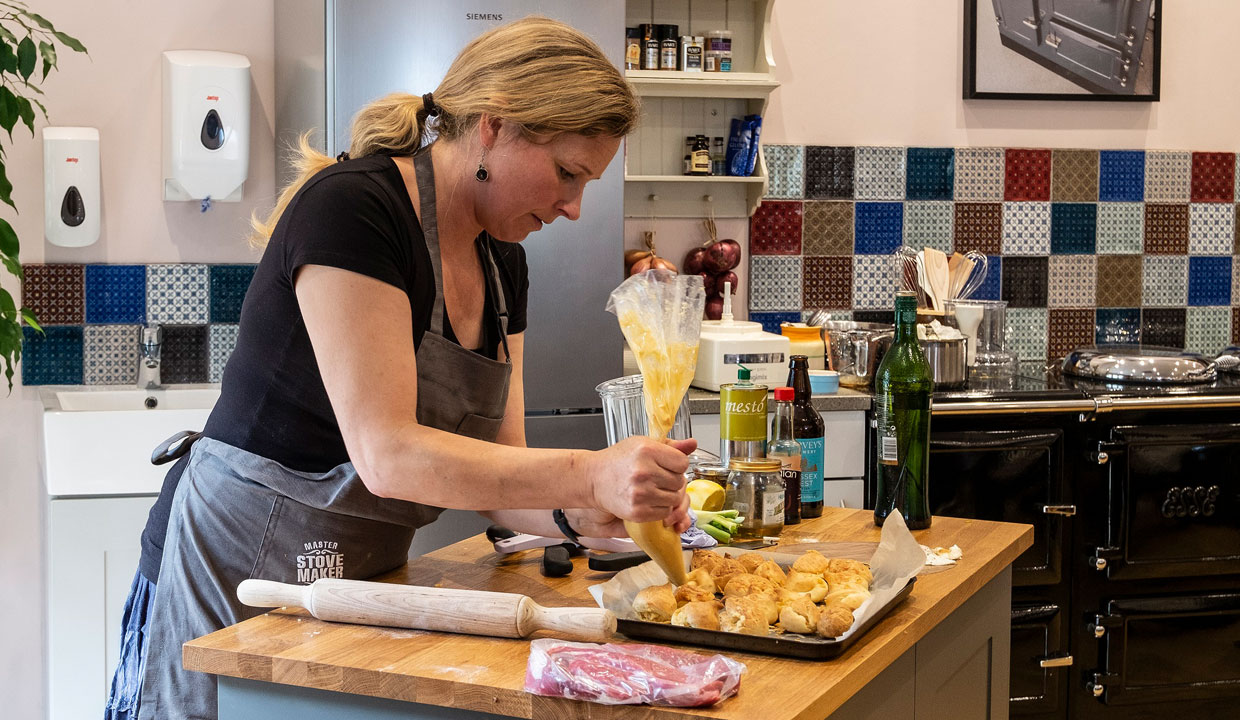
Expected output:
{"points": [[640, 479]]}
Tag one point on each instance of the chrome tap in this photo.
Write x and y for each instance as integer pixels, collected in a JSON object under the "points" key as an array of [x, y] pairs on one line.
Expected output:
{"points": [[148, 360]]}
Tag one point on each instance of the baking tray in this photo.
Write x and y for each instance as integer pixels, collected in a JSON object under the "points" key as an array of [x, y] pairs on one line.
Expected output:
{"points": [[807, 647]]}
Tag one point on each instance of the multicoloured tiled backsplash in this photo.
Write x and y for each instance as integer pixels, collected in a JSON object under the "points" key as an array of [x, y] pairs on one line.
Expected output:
{"points": [[92, 317], [1085, 245]]}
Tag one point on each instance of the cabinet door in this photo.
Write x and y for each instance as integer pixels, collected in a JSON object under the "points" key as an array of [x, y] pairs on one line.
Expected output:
{"points": [[1019, 20], [1040, 660], [93, 550]]}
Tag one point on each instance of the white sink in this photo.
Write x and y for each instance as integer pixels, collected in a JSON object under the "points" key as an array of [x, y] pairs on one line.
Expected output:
{"points": [[98, 441]]}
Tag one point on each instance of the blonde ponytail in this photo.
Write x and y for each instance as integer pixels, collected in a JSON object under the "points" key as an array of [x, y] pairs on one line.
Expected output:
{"points": [[538, 73]]}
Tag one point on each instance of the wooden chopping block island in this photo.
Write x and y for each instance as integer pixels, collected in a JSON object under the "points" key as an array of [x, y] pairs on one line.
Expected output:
{"points": [[942, 653]]}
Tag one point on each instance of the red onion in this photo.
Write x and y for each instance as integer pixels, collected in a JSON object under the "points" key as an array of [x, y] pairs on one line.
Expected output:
{"points": [[727, 277], [714, 307], [708, 282], [693, 260], [723, 256]]}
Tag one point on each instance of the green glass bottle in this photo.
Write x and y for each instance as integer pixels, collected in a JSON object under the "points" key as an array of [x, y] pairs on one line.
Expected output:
{"points": [[902, 386]]}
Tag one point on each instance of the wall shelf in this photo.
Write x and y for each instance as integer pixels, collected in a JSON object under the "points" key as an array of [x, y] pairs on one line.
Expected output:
{"points": [[668, 83], [692, 179]]}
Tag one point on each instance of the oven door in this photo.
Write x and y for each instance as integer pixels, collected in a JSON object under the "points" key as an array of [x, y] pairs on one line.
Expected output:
{"points": [[1040, 660], [1173, 501], [1010, 476], [1169, 649]]}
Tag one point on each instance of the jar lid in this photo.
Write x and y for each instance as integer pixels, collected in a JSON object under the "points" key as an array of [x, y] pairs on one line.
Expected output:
{"points": [[755, 464], [710, 471]]}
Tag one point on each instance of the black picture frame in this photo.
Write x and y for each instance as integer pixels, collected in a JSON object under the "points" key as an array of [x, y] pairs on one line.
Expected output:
{"points": [[1035, 50]]}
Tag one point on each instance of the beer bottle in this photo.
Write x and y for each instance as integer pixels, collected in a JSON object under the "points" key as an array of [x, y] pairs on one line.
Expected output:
{"points": [[808, 430], [902, 386]]}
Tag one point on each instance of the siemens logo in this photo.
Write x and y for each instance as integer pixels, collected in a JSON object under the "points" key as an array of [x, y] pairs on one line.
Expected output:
{"points": [[484, 16]]}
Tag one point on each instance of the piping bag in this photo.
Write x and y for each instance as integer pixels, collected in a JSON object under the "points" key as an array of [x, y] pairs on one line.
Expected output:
{"points": [[660, 314]]}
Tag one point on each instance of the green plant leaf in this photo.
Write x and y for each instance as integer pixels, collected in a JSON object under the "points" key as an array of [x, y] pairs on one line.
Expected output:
{"points": [[8, 109], [14, 267], [8, 308], [69, 42], [6, 189], [36, 102], [48, 53], [8, 58], [8, 239], [26, 113], [27, 54], [10, 348], [42, 22], [7, 35], [31, 320]]}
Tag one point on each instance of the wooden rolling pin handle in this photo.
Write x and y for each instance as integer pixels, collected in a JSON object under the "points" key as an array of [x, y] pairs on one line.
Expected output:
{"points": [[269, 593], [582, 623]]}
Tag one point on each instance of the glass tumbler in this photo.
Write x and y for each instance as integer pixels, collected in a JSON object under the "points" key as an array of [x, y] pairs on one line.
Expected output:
{"points": [[624, 412]]}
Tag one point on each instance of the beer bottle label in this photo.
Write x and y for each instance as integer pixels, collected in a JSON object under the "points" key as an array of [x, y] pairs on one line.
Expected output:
{"points": [[811, 469]]}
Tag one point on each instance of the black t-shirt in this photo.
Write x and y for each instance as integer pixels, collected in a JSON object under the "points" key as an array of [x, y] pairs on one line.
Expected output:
{"points": [[354, 215]]}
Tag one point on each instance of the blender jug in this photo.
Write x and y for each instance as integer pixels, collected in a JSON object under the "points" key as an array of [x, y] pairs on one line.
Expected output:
{"points": [[624, 414]]}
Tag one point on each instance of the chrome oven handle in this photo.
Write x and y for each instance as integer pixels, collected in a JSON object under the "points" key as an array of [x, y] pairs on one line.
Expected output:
{"points": [[1067, 510], [1054, 662]]}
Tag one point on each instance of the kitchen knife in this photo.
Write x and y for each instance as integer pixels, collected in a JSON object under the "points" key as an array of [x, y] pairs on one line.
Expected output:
{"points": [[472, 612], [614, 562]]}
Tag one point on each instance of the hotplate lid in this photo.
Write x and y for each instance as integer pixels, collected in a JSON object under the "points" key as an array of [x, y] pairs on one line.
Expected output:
{"points": [[1140, 364]]}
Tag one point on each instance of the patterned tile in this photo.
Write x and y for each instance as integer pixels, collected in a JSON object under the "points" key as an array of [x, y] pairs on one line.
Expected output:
{"points": [[879, 227], [1025, 281], [827, 228], [1026, 228], [775, 228], [979, 174], [1211, 229], [184, 355], [879, 173], [1235, 326], [874, 284], [831, 315], [1163, 327], [875, 316], [1027, 175], [1074, 228], [1166, 229], [828, 283], [1236, 224], [1119, 281], [221, 339], [1121, 176], [1214, 177], [228, 287], [55, 293], [116, 293], [177, 294], [111, 354], [1118, 326], [771, 320], [991, 286], [1165, 281], [1074, 175], [52, 358], [829, 172], [1168, 176], [931, 173], [1027, 333], [979, 226], [1235, 279], [1121, 228], [1069, 329], [775, 283], [929, 223], [1072, 281], [786, 165], [1207, 329], [1209, 281]]}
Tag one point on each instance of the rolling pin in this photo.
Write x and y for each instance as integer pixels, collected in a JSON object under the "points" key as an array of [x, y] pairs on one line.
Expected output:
{"points": [[472, 612]]}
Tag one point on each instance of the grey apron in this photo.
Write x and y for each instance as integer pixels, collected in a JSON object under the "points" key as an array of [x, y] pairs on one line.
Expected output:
{"points": [[237, 515]]}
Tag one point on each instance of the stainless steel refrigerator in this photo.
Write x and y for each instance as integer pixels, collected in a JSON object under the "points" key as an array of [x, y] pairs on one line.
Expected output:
{"points": [[334, 56]]}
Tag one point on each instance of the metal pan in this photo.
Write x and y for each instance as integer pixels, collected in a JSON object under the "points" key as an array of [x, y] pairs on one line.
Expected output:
{"points": [[806, 647]]}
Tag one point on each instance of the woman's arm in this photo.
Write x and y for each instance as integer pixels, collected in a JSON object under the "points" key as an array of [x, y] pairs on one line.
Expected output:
{"points": [[359, 328]]}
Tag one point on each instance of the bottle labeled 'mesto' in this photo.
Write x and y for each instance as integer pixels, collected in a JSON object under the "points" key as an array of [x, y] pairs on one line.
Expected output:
{"points": [[742, 418]]}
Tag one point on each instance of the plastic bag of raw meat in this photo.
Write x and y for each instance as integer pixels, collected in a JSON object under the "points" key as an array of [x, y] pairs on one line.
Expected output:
{"points": [[630, 674]]}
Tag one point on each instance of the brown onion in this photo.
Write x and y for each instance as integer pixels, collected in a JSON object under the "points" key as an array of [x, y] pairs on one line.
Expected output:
{"points": [[722, 256], [642, 265], [693, 260], [632, 256], [714, 307], [659, 263]]}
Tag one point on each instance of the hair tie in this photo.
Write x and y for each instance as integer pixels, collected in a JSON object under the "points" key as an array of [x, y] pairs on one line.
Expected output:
{"points": [[342, 157], [428, 104]]}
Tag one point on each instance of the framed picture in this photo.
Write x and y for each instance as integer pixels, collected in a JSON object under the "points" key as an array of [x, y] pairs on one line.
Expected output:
{"points": [[1062, 49]]}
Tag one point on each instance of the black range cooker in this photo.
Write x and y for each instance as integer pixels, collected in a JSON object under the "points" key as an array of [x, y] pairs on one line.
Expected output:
{"points": [[1128, 603]]}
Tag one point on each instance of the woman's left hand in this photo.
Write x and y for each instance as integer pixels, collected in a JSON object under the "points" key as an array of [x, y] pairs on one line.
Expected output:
{"points": [[590, 522]]}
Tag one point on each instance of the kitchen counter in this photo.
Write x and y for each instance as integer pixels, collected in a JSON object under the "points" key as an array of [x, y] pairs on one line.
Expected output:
{"points": [[287, 664]]}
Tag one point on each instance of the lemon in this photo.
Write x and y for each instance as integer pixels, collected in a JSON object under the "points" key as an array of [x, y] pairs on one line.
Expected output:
{"points": [[705, 495]]}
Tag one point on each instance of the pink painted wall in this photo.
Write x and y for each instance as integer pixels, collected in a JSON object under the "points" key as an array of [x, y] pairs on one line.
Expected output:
{"points": [[116, 89]]}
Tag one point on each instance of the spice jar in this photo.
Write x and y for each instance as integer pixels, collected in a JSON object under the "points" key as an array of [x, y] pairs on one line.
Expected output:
{"points": [[650, 46], [755, 490], [669, 47], [632, 48]]}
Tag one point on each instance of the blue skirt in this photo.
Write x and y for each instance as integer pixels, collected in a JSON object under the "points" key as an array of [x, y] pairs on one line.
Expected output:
{"points": [[127, 682]]}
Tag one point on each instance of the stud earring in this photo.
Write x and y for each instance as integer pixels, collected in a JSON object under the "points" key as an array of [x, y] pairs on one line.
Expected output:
{"points": [[482, 175]]}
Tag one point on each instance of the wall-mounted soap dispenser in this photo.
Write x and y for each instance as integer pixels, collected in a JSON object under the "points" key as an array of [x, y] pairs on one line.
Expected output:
{"points": [[71, 185], [206, 125]]}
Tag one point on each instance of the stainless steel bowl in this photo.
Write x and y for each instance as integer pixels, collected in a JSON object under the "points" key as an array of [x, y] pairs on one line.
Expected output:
{"points": [[854, 349], [947, 362]]}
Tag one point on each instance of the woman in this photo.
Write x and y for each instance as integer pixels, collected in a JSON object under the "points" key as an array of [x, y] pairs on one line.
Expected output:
{"points": [[377, 373]]}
